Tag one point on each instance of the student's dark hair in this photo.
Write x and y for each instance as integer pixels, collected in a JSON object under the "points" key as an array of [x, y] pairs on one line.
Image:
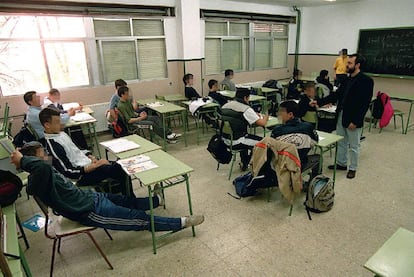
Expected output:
{"points": [[242, 92], [344, 51], [28, 96], [296, 72], [309, 85], [54, 91], [120, 83], [358, 59], [187, 77], [46, 115], [291, 107], [122, 90], [323, 73], [228, 72], [212, 82], [30, 148]]}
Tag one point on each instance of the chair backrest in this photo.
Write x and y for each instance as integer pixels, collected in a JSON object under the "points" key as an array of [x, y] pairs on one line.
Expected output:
{"points": [[5, 155], [5, 125], [4, 266]]}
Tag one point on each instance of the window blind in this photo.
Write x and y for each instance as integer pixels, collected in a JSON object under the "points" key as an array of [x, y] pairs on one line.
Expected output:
{"points": [[152, 58]]}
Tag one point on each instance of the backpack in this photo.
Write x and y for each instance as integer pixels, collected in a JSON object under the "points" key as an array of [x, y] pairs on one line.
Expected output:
{"points": [[377, 106], [10, 187], [117, 126], [23, 136], [247, 185], [320, 195], [219, 149], [270, 84]]}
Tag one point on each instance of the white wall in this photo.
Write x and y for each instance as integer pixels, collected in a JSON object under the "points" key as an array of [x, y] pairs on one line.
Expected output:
{"points": [[327, 29]]}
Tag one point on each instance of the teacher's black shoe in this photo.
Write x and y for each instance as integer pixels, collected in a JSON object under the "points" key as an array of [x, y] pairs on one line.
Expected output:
{"points": [[351, 174], [338, 167]]}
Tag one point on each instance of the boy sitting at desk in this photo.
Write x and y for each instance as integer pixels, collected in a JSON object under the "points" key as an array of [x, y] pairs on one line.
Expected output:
{"points": [[103, 210], [113, 103], [76, 134], [69, 160], [189, 91], [308, 104], [301, 134], [142, 118], [212, 92], [227, 83]]}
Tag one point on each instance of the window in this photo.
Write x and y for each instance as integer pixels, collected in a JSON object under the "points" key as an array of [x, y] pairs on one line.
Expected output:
{"points": [[244, 46], [40, 52]]}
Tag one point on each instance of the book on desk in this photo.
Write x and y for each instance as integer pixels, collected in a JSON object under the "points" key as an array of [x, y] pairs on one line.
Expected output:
{"points": [[120, 145], [137, 164]]}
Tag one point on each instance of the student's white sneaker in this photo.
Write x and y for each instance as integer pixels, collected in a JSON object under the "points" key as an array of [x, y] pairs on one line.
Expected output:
{"points": [[193, 220], [173, 136]]}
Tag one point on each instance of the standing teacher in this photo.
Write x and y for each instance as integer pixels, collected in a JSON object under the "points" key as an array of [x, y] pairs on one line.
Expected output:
{"points": [[354, 97]]}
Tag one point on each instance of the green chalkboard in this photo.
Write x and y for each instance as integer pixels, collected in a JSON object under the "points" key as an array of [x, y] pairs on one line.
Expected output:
{"points": [[388, 51]]}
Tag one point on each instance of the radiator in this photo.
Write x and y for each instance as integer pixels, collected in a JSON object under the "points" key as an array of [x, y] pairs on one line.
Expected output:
{"points": [[99, 113]]}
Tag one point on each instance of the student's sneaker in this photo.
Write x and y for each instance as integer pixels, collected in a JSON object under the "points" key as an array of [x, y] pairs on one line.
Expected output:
{"points": [[158, 193], [172, 141], [193, 220], [173, 136]]}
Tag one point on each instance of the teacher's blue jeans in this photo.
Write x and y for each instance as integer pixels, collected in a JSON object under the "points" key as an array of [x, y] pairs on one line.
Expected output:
{"points": [[352, 141], [119, 212]]}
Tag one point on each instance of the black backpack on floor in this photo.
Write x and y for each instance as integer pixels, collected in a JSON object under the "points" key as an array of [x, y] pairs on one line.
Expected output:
{"points": [[219, 150], [10, 187]]}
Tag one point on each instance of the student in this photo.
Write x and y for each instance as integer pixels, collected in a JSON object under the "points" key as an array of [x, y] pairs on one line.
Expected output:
{"points": [[322, 82], [103, 210], [302, 134], [189, 91], [32, 99], [113, 103], [354, 98], [76, 134], [308, 105], [227, 83], [295, 85], [69, 160], [131, 117], [340, 67], [217, 97], [239, 114]]}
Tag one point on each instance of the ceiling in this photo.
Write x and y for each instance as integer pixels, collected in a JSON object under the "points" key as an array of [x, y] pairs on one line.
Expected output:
{"points": [[299, 3]]}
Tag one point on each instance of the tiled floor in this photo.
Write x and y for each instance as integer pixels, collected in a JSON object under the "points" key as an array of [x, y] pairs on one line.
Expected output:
{"points": [[253, 237]]}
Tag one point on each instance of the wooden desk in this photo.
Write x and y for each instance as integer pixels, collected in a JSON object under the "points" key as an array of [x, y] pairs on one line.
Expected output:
{"points": [[12, 246], [409, 99], [395, 257], [168, 167], [166, 111], [326, 141]]}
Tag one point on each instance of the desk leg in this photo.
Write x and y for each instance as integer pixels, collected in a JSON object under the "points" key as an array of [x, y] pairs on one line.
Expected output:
{"points": [[184, 117], [189, 200], [24, 263], [154, 239], [164, 139], [336, 154], [409, 117]]}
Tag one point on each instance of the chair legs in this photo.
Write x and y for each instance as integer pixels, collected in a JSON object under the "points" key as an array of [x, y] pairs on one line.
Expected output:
{"points": [[100, 250], [233, 159]]}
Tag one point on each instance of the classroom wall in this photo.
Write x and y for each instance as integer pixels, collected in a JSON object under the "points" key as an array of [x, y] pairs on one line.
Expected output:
{"points": [[327, 29]]}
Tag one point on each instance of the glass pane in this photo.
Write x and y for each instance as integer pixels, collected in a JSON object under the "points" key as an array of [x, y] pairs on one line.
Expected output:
{"points": [[61, 27], [280, 48], [262, 30], [22, 68], [232, 54], [111, 28], [239, 29], [18, 27], [212, 56], [216, 28], [119, 60], [67, 64], [262, 53], [147, 27], [152, 58], [279, 30]]}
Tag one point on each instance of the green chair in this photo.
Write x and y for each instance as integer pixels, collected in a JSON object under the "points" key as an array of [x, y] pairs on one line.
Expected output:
{"points": [[228, 132], [5, 126]]}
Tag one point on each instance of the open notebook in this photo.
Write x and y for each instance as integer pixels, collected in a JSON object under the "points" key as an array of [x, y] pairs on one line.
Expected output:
{"points": [[137, 164], [119, 145]]}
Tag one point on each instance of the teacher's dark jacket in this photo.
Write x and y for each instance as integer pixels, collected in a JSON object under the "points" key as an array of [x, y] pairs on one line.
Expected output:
{"points": [[354, 97]]}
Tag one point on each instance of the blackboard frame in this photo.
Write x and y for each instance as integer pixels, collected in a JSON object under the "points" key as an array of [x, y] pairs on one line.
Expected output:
{"points": [[389, 73]]}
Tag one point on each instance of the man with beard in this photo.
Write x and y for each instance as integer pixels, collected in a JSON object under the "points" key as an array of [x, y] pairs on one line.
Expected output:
{"points": [[354, 97]]}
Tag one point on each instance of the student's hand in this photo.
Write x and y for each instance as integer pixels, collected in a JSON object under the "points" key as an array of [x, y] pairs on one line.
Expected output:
{"points": [[80, 107], [15, 158], [143, 115], [71, 112], [351, 126], [92, 158]]}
